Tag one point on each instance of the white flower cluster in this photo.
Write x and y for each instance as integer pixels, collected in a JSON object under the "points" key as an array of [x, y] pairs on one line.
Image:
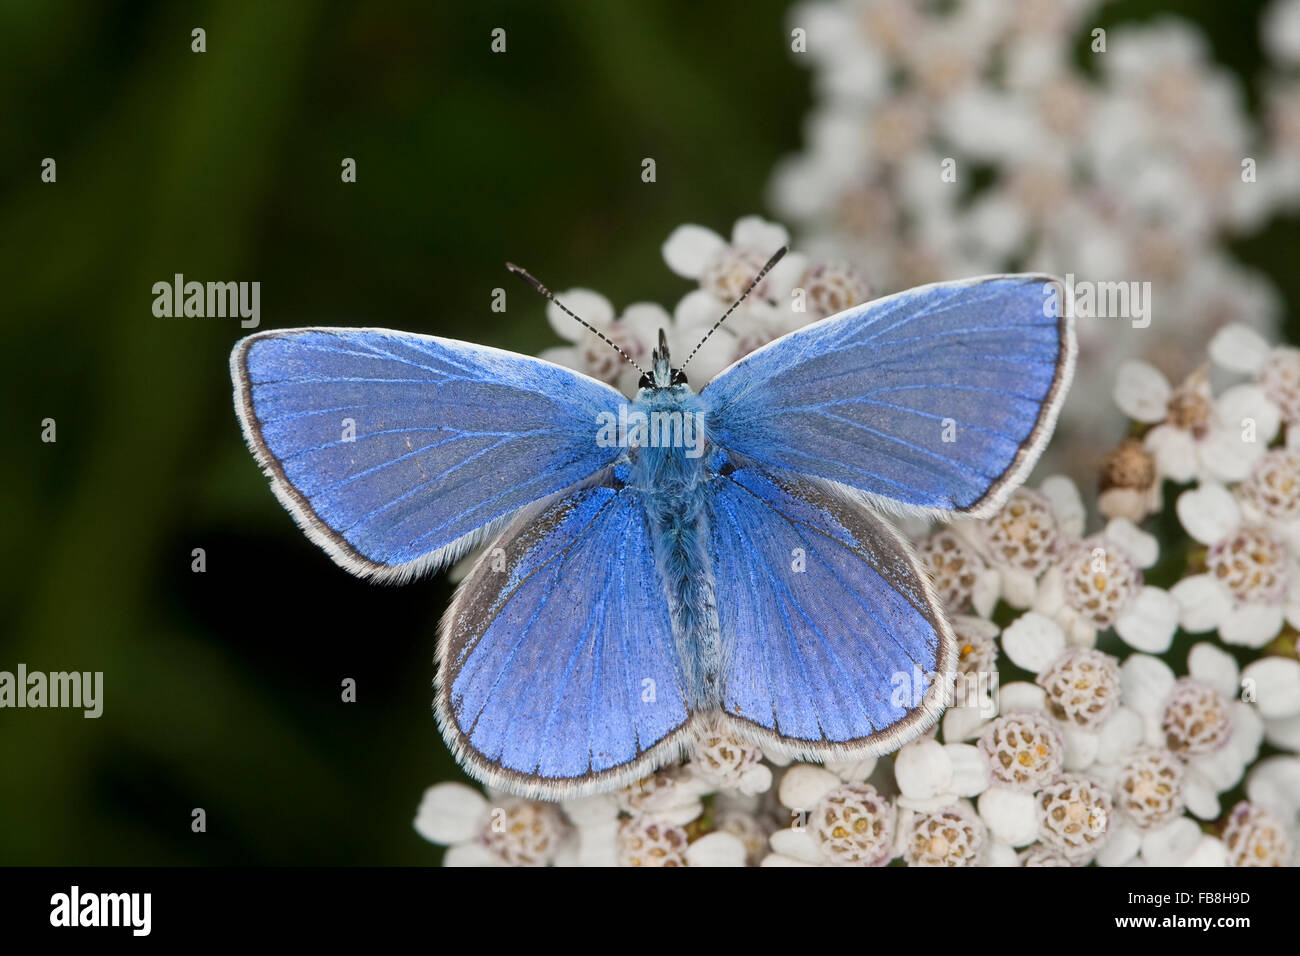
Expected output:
{"points": [[983, 136], [798, 290], [707, 812], [1244, 503], [1082, 730]]}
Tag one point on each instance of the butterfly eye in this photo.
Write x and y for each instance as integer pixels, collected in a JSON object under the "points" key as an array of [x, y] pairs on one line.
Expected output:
{"points": [[646, 382], [679, 377]]}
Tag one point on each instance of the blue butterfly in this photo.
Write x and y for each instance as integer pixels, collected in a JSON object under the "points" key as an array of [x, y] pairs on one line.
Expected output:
{"points": [[680, 561]]}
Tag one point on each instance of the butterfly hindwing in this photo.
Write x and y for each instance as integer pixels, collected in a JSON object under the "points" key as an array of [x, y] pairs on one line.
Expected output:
{"points": [[835, 644], [939, 398], [397, 452], [557, 670]]}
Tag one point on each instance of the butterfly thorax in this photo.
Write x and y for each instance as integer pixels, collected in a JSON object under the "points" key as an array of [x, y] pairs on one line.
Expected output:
{"points": [[669, 469]]}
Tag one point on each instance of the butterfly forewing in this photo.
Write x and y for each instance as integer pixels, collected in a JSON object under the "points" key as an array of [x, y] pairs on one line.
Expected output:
{"points": [[396, 452], [939, 398]]}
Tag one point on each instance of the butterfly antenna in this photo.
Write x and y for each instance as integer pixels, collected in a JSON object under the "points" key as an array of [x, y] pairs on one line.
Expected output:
{"points": [[776, 257], [532, 281]]}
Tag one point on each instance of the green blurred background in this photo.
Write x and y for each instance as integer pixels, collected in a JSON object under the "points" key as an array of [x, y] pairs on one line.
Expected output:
{"points": [[222, 689]]}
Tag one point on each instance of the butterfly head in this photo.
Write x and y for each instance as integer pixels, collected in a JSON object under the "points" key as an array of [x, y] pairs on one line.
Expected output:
{"points": [[663, 374]]}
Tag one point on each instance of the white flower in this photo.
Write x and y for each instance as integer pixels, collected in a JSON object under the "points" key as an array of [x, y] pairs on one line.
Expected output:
{"points": [[924, 773], [1083, 688], [964, 722], [1270, 494], [1134, 171], [960, 575], [1280, 30], [1011, 815], [970, 770], [1274, 784], [1142, 55], [851, 58], [450, 814], [1218, 770], [671, 795], [1160, 74], [1024, 751], [802, 785], [1271, 684], [594, 838], [743, 817], [977, 662], [1033, 641], [1255, 837], [1097, 583], [476, 833], [1197, 719], [829, 288], [1213, 666], [1020, 695], [1196, 435], [1019, 543], [718, 848], [854, 771], [1145, 685], [832, 823], [1172, 844], [1043, 856], [1119, 736], [1149, 788], [1246, 591], [1284, 733], [725, 762], [725, 269], [1276, 370], [1209, 851], [948, 836], [1280, 164], [1074, 816], [647, 841], [751, 326], [636, 332], [1122, 846], [854, 825], [1274, 685]]}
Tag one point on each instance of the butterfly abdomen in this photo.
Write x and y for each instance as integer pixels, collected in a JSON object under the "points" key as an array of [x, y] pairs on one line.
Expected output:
{"points": [[671, 477]]}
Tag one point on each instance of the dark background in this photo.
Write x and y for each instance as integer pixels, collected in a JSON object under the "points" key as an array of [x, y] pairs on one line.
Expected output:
{"points": [[222, 690]]}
